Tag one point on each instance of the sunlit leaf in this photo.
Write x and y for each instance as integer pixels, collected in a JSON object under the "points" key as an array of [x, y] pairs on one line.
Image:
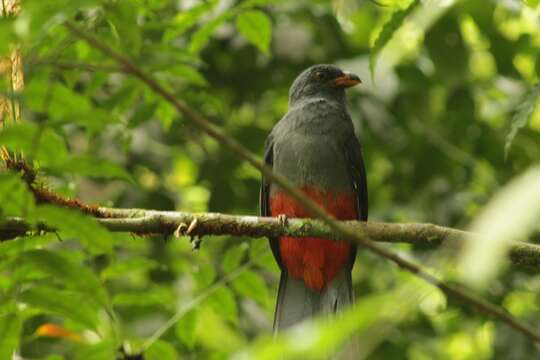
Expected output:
{"points": [[185, 328], [161, 350], [186, 19], [523, 113], [216, 334], [103, 350], [256, 27], [386, 32], [203, 34], [511, 215]]}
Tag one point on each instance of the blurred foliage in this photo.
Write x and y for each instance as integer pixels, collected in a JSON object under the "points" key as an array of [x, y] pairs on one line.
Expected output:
{"points": [[453, 80]]}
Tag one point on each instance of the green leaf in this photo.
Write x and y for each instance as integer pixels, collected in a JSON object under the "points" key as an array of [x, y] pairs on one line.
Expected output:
{"points": [[10, 329], [15, 197], [7, 34], [66, 303], [161, 350], [95, 168], [523, 113], [123, 17], [510, 216], [42, 144], [223, 303], [186, 19], [232, 258], [151, 297], [252, 285], [59, 101], [26, 243], [73, 224], [204, 275], [70, 274], [202, 35], [104, 350], [127, 267], [260, 254], [256, 27], [386, 32], [185, 328], [188, 74]]}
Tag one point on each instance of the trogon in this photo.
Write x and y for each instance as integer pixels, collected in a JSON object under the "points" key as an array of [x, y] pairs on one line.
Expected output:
{"points": [[314, 146]]}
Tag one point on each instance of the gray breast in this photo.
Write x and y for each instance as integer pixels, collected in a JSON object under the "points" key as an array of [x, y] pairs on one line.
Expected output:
{"points": [[309, 147]]}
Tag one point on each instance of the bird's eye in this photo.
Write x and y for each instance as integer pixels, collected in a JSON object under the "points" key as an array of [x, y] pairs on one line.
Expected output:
{"points": [[319, 75]]}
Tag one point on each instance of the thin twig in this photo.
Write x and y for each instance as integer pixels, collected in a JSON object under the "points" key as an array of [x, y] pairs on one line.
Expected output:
{"points": [[361, 239]]}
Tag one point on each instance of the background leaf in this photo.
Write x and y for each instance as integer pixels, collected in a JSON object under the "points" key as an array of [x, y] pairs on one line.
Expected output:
{"points": [[510, 216], [386, 32], [256, 27], [520, 119], [72, 224], [10, 328], [69, 304], [70, 274]]}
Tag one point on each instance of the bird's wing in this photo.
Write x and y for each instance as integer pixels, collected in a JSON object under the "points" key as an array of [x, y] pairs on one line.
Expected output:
{"points": [[264, 195], [357, 172]]}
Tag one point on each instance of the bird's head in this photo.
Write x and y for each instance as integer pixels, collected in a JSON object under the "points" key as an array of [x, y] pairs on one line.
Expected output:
{"points": [[323, 80]]}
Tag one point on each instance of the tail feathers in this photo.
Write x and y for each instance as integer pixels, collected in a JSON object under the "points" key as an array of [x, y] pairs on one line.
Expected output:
{"points": [[296, 302]]}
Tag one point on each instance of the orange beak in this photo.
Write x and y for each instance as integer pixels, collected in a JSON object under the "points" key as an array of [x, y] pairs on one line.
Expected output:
{"points": [[347, 80]]}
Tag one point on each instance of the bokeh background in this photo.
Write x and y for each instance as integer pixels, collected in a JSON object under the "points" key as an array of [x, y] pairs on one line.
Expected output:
{"points": [[433, 118]]}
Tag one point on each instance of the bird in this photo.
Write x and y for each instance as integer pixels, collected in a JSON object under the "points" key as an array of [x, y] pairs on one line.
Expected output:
{"points": [[315, 147]]}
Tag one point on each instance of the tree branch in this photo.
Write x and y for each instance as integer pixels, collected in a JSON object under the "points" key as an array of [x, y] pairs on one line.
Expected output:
{"points": [[359, 238], [142, 221]]}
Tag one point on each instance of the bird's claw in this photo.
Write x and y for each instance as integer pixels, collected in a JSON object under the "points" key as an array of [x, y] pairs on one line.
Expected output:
{"points": [[192, 226], [187, 230], [184, 229], [180, 230], [283, 220]]}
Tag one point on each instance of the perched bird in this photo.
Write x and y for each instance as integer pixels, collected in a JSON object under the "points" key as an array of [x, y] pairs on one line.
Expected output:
{"points": [[314, 147]]}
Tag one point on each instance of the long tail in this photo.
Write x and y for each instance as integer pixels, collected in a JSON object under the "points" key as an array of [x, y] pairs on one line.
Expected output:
{"points": [[297, 302]]}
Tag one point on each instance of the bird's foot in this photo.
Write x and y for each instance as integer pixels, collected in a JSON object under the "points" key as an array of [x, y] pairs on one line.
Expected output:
{"points": [[283, 220], [194, 239], [187, 230], [180, 230]]}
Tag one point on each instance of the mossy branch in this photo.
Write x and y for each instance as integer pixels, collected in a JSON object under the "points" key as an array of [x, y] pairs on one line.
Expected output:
{"points": [[142, 221]]}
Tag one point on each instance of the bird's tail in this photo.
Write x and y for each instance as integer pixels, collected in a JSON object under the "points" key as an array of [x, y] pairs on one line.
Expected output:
{"points": [[296, 302]]}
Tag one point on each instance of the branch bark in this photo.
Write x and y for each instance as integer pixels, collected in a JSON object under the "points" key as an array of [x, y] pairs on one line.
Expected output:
{"points": [[142, 221]]}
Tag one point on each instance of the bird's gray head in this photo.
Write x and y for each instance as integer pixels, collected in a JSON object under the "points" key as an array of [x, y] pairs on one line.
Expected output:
{"points": [[322, 80]]}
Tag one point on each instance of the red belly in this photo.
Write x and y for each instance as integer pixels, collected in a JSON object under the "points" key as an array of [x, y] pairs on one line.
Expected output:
{"points": [[315, 260]]}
